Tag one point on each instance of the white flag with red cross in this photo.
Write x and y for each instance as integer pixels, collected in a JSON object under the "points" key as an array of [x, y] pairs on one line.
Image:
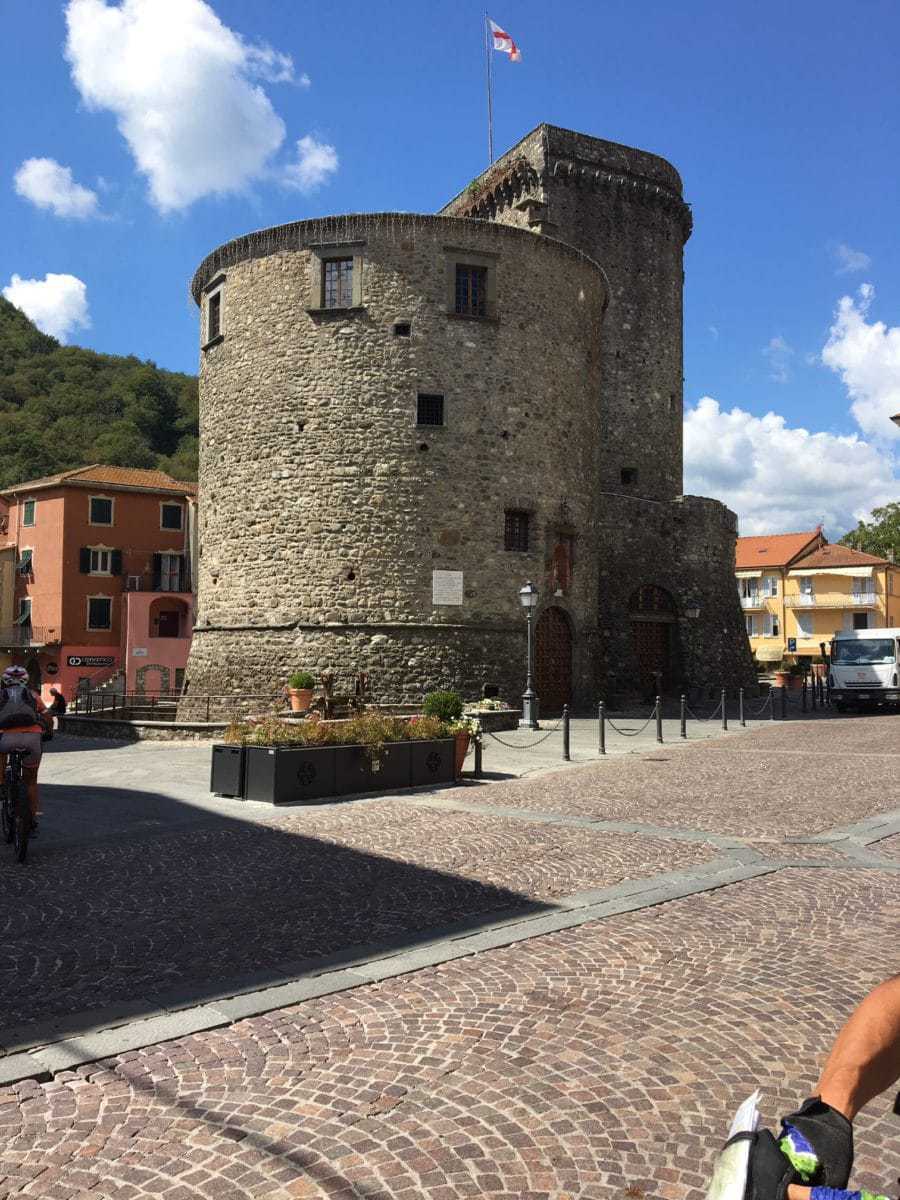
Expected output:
{"points": [[504, 43]]}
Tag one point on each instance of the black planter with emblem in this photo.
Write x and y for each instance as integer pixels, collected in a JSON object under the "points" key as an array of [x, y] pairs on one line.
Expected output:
{"points": [[311, 774]]}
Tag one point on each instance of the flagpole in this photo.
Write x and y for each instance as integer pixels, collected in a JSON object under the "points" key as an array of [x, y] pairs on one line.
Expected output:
{"points": [[490, 87]]}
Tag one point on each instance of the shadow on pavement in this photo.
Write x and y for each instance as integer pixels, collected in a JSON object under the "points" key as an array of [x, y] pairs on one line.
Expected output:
{"points": [[141, 901]]}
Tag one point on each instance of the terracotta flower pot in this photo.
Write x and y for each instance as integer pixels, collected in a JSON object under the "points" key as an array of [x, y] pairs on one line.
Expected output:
{"points": [[462, 749], [782, 679], [300, 698]]}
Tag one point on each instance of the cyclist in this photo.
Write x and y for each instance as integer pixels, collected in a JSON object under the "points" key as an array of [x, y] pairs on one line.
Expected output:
{"points": [[22, 721]]}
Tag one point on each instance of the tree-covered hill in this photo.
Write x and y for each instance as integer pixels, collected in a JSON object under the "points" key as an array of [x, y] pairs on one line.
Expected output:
{"points": [[63, 406]]}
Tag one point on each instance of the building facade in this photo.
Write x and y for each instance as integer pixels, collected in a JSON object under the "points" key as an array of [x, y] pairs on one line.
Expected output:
{"points": [[406, 417], [101, 581], [797, 591]]}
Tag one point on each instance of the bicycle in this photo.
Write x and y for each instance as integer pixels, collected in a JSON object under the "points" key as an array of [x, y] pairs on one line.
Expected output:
{"points": [[15, 811]]}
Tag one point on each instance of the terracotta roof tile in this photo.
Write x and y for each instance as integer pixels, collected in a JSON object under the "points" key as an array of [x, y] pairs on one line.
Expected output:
{"points": [[772, 550], [838, 556], [109, 477]]}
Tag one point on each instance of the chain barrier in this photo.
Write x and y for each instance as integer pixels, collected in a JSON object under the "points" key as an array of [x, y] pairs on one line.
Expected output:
{"points": [[632, 732], [712, 716], [767, 703], [525, 745]]}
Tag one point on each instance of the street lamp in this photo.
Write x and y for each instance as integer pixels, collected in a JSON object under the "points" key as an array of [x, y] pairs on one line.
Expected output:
{"points": [[528, 598]]}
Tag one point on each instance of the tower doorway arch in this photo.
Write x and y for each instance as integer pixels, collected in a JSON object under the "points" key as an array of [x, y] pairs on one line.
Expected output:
{"points": [[651, 611], [553, 660]]}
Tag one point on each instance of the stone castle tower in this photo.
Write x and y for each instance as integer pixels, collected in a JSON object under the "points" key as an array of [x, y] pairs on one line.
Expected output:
{"points": [[405, 417]]}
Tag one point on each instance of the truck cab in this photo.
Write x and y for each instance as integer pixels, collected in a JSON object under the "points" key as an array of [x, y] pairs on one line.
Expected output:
{"points": [[865, 668]]}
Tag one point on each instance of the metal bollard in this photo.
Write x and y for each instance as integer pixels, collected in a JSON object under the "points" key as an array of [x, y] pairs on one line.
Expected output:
{"points": [[684, 716], [565, 725], [659, 736], [741, 706], [478, 758], [724, 709], [783, 691], [812, 692], [803, 696], [601, 716]]}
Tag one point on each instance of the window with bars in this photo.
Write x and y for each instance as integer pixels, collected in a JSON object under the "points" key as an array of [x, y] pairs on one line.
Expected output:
{"points": [[429, 409], [471, 290], [515, 529], [213, 316], [337, 283]]}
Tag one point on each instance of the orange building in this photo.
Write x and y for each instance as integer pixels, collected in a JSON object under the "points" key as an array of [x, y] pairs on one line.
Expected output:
{"points": [[101, 583]]}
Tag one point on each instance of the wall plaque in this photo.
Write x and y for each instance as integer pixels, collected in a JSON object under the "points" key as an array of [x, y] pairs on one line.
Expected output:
{"points": [[446, 587]]}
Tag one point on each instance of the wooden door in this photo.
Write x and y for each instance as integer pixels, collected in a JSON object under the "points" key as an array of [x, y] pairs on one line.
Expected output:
{"points": [[553, 661]]}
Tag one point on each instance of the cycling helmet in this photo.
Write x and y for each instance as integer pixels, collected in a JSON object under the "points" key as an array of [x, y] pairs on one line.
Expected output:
{"points": [[14, 675]]}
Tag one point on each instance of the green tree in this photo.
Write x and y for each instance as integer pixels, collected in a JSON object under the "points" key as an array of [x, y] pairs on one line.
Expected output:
{"points": [[880, 535]]}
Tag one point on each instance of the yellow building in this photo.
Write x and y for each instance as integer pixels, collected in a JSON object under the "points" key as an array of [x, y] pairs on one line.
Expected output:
{"points": [[797, 591]]}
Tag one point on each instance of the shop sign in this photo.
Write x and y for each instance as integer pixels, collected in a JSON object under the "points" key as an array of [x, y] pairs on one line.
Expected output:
{"points": [[90, 660]]}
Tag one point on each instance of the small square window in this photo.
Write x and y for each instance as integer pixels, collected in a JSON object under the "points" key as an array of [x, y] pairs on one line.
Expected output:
{"points": [[337, 283], [101, 511], [28, 512], [214, 316], [515, 529], [402, 329], [471, 290], [170, 516], [99, 612], [629, 475], [429, 410]]}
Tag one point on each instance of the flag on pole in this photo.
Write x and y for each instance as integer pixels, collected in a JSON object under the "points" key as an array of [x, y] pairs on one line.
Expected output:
{"points": [[504, 43]]}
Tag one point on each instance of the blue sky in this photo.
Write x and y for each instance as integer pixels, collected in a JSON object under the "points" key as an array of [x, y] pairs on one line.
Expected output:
{"points": [[782, 119]]}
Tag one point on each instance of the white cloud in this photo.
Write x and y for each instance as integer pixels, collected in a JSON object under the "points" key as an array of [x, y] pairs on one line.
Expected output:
{"points": [[184, 90], [780, 479], [779, 354], [48, 184], [316, 163], [849, 260], [57, 303], [867, 358]]}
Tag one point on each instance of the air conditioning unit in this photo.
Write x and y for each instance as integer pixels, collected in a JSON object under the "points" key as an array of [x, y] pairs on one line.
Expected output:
{"points": [[133, 583]]}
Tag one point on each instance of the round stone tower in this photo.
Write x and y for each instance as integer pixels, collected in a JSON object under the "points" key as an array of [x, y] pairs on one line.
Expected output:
{"points": [[399, 427]]}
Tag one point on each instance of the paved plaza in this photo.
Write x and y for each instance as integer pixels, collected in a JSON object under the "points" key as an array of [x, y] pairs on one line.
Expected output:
{"points": [[555, 983]]}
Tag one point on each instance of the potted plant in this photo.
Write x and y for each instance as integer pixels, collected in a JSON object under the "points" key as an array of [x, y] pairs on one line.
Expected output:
{"points": [[300, 690], [448, 707]]}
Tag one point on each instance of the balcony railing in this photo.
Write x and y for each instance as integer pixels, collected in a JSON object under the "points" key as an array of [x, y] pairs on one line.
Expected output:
{"points": [[755, 601], [832, 600], [19, 637]]}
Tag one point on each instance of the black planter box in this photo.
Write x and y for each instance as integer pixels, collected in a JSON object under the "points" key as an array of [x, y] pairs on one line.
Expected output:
{"points": [[308, 774], [433, 762], [290, 774], [227, 773], [354, 773]]}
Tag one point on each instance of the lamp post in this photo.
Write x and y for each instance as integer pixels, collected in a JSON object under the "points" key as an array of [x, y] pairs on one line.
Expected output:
{"points": [[528, 598]]}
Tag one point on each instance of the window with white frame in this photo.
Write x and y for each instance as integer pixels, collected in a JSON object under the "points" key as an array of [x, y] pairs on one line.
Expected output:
{"points": [[804, 625], [770, 585], [752, 625], [101, 562], [806, 585], [28, 512], [750, 589], [99, 612], [770, 625], [100, 510]]}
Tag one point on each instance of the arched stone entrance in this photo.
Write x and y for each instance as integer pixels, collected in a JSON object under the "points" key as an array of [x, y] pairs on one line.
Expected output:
{"points": [[553, 660], [651, 611]]}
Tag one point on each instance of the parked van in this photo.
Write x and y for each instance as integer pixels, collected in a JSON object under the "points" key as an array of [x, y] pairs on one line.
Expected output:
{"points": [[865, 668]]}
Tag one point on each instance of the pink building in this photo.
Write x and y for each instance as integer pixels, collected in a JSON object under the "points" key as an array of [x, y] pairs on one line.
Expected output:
{"points": [[157, 630]]}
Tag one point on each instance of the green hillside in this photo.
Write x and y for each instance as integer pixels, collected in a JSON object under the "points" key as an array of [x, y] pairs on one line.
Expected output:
{"points": [[63, 407]]}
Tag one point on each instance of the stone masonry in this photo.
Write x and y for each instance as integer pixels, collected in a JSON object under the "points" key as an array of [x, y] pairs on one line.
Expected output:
{"points": [[325, 507]]}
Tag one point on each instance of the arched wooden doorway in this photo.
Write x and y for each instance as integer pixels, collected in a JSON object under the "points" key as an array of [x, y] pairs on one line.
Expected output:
{"points": [[553, 660], [651, 611]]}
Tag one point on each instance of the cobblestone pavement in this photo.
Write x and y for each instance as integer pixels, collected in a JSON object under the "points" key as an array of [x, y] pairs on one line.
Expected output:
{"points": [[601, 1060]]}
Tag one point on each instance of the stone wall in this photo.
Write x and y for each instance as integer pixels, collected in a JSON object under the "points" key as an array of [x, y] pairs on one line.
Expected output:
{"points": [[324, 508]]}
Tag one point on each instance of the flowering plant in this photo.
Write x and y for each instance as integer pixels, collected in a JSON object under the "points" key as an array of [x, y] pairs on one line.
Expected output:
{"points": [[489, 705], [466, 725]]}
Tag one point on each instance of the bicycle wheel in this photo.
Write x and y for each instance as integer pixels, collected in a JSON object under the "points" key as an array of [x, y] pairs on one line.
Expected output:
{"points": [[22, 823], [7, 817]]}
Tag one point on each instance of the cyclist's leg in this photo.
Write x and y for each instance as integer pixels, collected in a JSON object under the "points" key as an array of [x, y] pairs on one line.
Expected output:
{"points": [[30, 775]]}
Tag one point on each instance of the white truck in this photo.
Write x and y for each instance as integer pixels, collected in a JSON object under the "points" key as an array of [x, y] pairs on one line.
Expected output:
{"points": [[865, 668]]}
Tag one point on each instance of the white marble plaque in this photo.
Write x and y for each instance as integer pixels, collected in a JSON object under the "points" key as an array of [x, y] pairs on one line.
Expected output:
{"points": [[446, 587]]}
